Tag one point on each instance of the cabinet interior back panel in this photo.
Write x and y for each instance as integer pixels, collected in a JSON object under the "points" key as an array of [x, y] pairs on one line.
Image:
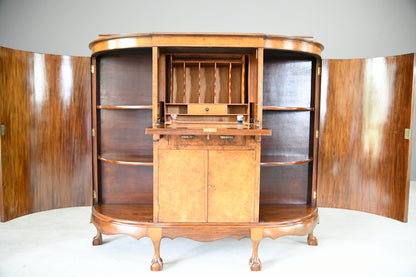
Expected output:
{"points": [[288, 184], [291, 133], [125, 80], [123, 131], [125, 184], [287, 83]]}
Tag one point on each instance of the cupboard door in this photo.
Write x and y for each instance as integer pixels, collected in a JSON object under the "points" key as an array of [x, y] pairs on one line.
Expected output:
{"points": [[364, 157], [182, 186], [231, 184], [46, 149]]}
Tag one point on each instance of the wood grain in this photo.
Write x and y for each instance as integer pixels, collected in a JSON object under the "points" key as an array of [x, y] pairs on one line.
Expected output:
{"points": [[364, 159], [46, 153], [286, 184], [123, 131], [231, 186], [120, 183], [15, 145], [125, 79], [182, 186], [300, 44]]}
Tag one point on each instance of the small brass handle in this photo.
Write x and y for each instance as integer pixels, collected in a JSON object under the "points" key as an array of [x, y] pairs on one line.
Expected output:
{"points": [[188, 137], [226, 137]]}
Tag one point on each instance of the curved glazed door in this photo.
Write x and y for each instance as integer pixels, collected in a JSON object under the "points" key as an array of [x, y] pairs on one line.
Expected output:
{"points": [[46, 148], [364, 157]]}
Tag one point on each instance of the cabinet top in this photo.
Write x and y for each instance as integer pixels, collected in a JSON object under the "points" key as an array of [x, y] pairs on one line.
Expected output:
{"points": [[237, 40]]}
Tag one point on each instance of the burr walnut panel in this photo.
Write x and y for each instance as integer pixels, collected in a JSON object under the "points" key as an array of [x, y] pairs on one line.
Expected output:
{"points": [[182, 186], [231, 186]]}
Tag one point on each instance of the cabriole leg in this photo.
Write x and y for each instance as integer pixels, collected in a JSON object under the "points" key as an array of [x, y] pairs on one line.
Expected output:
{"points": [[98, 239], [156, 236], [256, 237], [312, 240]]}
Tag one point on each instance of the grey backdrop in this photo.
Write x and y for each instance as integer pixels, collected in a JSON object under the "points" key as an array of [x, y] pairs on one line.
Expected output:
{"points": [[348, 29]]}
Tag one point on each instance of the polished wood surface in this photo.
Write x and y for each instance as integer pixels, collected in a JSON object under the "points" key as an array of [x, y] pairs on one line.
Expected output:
{"points": [[125, 79], [123, 131], [125, 183], [284, 160], [127, 159], [182, 186], [288, 77], [141, 214], [364, 158], [231, 186], [291, 133], [208, 129], [206, 164], [292, 43], [275, 181], [46, 152]]}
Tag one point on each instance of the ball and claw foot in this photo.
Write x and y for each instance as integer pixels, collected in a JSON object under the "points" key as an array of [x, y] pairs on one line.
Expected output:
{"points": [[97, 240], [157, 264], [312, 240], [255, 264]]}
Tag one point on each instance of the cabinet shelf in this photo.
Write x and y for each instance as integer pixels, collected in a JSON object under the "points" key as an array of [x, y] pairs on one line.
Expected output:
{"points": [[276, 108], [136, 160], [273, 214], [284, 160], [125, 107]]}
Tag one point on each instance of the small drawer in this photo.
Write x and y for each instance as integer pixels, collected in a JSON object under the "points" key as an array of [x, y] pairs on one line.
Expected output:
{"points": [[207, 109], [207, 140]]}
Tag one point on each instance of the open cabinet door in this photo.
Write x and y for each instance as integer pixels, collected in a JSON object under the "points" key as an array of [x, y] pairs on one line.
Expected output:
{"points": [[46, 146], [365, 148]]}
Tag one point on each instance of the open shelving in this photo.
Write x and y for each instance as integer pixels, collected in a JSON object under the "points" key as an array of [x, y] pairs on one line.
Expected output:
{"points": [[204, 142], [123, 109]]}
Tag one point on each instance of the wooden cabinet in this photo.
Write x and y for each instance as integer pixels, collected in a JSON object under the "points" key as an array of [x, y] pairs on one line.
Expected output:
{"points": [[206, 186], [232, 137], [232, 193], [205, 136], [182, 186]]}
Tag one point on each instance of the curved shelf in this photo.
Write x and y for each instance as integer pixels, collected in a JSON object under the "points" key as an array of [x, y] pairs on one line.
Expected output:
{"points": [[284, 160], [276, 108], [125, 107], [126, 159]]}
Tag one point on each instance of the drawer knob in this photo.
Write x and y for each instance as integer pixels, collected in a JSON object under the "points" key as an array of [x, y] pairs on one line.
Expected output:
{"points": [[207, 109]]}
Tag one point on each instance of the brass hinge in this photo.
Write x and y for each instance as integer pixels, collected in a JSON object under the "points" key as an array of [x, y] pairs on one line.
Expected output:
{"points": [[407, 133], [93, 132], [319, 71], [92, 69], [2, 130], [317, 134], [94, 194], [314, 195]]}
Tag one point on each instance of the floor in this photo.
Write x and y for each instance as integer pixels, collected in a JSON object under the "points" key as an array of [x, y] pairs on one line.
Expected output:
{"points": [[58, 243]]}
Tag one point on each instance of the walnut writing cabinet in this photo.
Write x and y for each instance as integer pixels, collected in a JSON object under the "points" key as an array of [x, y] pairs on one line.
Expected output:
{"points": [[205, 136], [231, 139]]}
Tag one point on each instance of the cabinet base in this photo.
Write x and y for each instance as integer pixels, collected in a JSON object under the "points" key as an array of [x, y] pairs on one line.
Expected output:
{"points": [[136, 221]]}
